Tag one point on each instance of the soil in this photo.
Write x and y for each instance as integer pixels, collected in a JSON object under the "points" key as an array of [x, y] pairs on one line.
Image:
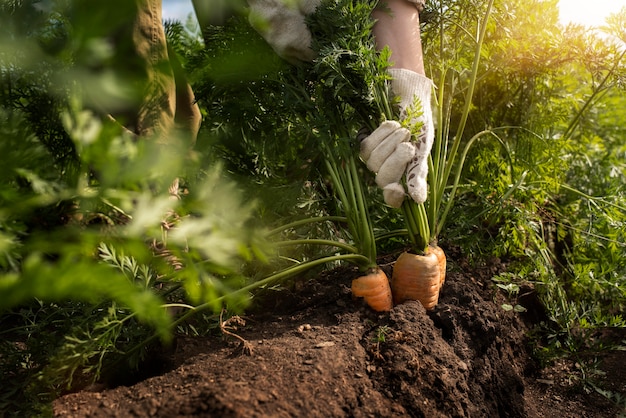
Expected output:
{"points": [[313, 351]]}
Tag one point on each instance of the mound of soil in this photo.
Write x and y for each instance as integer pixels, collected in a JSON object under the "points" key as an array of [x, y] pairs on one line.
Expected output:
{"points": [[315, 352]]}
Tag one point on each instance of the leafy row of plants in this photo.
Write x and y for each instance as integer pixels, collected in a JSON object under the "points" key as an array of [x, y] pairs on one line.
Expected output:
{"points": [[547, 195], [104, 239]]}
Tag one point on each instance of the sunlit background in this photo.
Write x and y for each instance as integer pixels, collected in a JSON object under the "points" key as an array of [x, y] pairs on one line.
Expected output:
{"points": [[177, 9], [589, 13]]}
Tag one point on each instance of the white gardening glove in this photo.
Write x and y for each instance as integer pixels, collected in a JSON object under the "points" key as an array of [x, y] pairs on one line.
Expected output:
{"points": [[390, 152], [410, 85], [387, 152], [282, 24]]}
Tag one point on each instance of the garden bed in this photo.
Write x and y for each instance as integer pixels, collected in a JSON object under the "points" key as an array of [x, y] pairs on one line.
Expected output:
{"points": [[312, 351]]}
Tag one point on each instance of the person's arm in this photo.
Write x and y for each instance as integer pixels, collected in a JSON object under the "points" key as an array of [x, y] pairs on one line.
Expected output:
{"points": [[397, 26]]}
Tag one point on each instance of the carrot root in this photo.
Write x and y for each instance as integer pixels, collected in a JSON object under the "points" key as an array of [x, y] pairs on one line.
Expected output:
{"points": [[374, 288], [419, 277]]}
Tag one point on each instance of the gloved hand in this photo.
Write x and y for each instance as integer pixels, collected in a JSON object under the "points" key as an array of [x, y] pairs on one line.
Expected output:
{"points": [[282, 24], [390, 151]]}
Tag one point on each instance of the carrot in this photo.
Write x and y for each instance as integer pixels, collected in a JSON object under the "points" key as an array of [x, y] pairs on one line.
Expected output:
{"points": [[374, 289], [419, 277]]}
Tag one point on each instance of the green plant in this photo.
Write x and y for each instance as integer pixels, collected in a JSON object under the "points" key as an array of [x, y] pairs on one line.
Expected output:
{"points": [[542, 195], [344, 76], [102, 258], [426, 221], [381, 334], [95, 251], [506, 282]]}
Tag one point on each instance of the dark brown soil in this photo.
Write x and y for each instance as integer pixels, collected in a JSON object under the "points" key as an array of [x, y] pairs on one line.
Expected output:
{"points": [[315, 352]]}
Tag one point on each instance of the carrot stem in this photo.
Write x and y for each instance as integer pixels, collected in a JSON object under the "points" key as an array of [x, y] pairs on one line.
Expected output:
{"points": [[305, 221], [311, 241], [350, 193]]}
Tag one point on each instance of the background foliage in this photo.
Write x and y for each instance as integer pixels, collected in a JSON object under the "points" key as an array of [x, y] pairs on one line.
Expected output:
{"points": [[99, 255]]}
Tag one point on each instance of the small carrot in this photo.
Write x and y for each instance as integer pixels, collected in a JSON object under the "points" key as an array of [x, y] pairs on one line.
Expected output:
{"points": [[418, 277], [374, 288]]}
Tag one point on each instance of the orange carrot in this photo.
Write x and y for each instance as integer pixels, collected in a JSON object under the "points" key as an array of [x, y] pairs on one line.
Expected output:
{"points": [[417, 277], [374, 289]]}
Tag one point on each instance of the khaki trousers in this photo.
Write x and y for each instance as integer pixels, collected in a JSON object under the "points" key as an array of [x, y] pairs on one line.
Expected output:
{"points": [[169, 101], [164, 106]]}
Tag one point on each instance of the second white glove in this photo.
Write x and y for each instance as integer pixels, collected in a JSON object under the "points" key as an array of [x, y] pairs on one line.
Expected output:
{"points": [[282, 24]]}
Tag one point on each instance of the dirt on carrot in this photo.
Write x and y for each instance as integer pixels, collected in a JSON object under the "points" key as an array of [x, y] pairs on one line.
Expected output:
{"points": [[316, 352]]}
